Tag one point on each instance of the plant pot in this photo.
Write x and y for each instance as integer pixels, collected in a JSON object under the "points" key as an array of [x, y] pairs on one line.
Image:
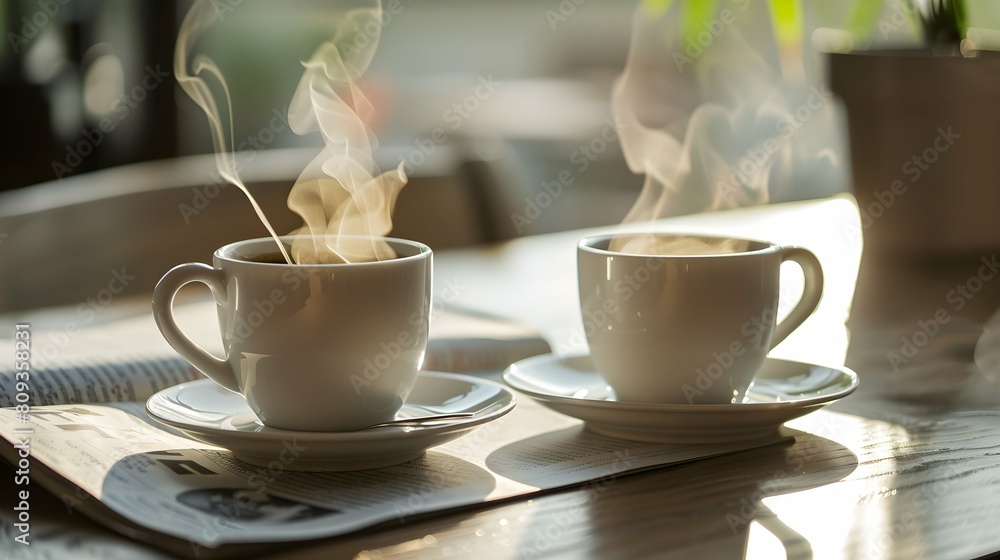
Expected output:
{"points": [[925, 150]]}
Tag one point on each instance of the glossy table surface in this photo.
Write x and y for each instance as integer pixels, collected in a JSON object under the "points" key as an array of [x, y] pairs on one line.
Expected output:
{"points": [[907, 467]]}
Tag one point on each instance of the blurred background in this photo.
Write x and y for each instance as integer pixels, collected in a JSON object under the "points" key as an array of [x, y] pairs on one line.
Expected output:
{"points": [[76, 66], [495, 105]]}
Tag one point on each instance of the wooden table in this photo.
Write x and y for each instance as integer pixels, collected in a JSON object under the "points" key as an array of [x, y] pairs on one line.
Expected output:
{"points": [[907, 467]]}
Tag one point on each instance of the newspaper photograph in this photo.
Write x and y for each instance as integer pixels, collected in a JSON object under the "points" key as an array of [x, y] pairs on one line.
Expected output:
{"points": [[202, 494]]}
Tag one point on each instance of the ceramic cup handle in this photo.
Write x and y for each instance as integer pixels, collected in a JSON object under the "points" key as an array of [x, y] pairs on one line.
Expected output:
{"points": [[163, 298], [811, 294]]}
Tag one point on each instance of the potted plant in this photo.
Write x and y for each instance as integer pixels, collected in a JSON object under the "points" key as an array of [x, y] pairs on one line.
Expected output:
{"points": [[924, 131]]}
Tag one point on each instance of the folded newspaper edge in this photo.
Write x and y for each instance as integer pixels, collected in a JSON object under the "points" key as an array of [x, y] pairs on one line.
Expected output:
{"points": [[192, 498]]}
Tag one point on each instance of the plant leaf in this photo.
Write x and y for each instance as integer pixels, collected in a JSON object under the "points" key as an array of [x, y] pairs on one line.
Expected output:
{"points": [[787, 20], [695, 14]]}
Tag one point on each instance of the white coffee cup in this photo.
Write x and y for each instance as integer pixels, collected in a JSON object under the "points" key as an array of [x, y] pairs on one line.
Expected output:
{"points": [[331, 347], [687, 328]]}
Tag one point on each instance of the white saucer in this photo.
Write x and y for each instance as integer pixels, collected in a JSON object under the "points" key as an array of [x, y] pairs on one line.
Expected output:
{"points": [[782, 390], [206, 412]]}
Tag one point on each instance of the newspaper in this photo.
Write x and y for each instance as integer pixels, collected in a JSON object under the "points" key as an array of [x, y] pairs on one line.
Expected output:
{"points": [[114, 464], [205, 498]]}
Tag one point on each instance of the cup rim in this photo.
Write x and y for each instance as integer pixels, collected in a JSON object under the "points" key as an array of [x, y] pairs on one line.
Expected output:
{"points": [[585, 245], [223, 254]]}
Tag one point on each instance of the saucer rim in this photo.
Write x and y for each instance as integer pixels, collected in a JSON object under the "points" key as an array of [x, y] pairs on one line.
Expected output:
{"points": [[635, 406], [355, 436]]}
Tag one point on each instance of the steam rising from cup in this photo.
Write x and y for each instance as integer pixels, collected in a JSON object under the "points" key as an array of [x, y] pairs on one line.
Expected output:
{"points": [[341, 194], [715, 127], [201, 17], [341, 191]]}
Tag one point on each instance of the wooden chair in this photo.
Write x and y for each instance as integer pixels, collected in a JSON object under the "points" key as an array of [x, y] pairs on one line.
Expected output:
{"points": [[65, 241]]}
